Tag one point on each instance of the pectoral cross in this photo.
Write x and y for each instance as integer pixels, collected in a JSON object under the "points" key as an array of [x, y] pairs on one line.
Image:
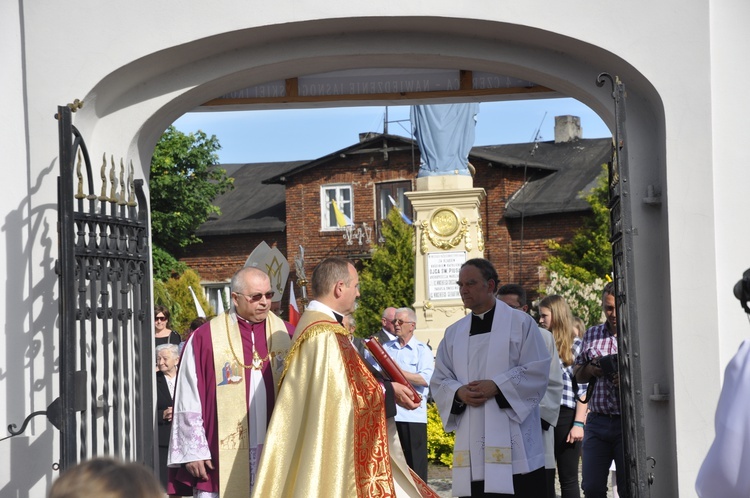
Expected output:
{"points": [[257, 360]]}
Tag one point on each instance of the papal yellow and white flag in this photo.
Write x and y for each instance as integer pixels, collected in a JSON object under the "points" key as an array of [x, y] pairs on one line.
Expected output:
{"points": [[342, 220]]}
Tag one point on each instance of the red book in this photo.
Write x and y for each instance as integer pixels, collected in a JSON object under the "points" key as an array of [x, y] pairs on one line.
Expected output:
{"points": [[390, 368]]}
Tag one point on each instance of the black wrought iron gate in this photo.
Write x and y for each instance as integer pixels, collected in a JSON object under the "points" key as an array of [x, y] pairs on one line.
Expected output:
{"points": [[621, 237], [106, 362]]}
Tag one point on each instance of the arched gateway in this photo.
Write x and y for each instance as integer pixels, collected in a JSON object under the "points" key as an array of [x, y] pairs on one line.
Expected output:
{"points": [[132, 89]]}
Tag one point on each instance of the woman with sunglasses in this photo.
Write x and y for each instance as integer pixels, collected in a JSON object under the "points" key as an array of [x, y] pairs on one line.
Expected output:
{"points": [[162, 333]]}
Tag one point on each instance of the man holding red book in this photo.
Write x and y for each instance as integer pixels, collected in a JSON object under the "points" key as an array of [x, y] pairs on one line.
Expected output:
{"points": [[331, 434]]}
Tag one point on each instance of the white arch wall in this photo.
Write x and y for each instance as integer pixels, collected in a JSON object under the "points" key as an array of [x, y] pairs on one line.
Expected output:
{"points": [[684, 126]]}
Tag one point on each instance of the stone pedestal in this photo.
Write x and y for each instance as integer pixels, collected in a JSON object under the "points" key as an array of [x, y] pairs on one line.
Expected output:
{"points": [[448, 232]]}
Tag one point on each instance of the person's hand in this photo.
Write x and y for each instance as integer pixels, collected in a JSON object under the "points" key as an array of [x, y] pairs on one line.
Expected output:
{"points": [[575, 434], [477, 393], [199, 469], [403, 396], [594, 369], [167, 414], [616, 379], [486, 388]]}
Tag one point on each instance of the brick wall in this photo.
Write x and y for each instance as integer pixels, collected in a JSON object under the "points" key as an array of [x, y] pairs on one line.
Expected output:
{"points": [[220, 256], [363, 172], [517, 247]]}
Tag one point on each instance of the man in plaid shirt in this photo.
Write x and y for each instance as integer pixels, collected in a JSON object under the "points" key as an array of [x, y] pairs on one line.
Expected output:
{"points": [[602, 441]]}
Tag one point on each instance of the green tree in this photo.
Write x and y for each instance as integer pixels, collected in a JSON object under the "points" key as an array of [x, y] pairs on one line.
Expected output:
{"points": [[388, 278], [578, 269], [165, 265], [588, 255], [184, 182], [174, 293]]}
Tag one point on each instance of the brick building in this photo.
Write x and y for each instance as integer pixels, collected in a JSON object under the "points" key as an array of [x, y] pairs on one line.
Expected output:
{"points": [[533, 195]]}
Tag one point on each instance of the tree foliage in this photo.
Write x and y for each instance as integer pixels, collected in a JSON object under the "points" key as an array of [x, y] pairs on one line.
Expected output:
{"points": [[165, 265], [584, 299], [184, 182], [175, 295], [388, 278], [578, 270], [588, 255]]}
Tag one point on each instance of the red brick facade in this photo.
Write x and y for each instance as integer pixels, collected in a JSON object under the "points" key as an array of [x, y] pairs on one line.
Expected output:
{"points": [[220, 256], [303, 203]]}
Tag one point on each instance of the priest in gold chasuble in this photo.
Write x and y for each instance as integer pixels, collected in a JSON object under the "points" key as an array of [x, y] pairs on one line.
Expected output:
{"points": [[332, 433]]}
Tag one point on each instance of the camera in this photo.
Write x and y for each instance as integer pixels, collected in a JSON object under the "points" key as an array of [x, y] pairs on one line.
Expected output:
{"points": [[608, 364], [742, 291]]}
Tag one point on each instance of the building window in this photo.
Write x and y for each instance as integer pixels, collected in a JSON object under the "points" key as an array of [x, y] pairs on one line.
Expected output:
{"points": [[392, 190], [215, 293], [342, 196]]}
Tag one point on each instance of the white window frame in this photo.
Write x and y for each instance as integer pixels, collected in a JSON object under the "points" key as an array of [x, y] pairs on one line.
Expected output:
{"points": [[211, 292], [346, 206]]}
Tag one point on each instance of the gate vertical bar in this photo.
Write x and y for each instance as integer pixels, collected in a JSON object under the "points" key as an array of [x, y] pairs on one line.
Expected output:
{"points": [[621, 237], [101, 313], [81, 321], [67, 292], [142, 305]]}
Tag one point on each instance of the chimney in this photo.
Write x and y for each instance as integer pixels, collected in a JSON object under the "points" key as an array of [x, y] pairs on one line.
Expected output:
{"points": [[567, 129]]}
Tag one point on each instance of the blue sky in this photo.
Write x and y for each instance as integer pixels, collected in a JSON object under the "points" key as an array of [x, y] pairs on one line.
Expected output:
{"points": [[301, 134]]}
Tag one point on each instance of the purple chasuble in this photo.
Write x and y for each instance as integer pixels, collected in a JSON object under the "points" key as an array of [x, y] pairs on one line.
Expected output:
{"points": [[180, 480]]}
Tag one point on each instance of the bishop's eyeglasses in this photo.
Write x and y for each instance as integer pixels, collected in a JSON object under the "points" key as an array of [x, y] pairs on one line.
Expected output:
{"points": [[257, 297]]}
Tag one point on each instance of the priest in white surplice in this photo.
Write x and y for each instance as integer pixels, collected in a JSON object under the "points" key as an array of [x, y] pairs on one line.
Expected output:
{"points": [[491, 372]]}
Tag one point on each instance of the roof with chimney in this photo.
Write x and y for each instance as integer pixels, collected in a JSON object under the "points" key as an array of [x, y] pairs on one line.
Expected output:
{"points": [[577, 164], [383, 143]]}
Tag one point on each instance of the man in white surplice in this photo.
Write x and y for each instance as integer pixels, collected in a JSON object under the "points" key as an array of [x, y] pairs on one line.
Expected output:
{"points": [[491, 371]]}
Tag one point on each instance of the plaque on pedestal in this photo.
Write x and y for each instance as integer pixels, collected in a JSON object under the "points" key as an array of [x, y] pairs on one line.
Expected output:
{"points": [[442, 274]]}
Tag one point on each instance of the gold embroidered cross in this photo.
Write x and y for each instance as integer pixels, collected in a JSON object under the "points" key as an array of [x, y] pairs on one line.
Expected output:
{"points": [[458, 460], [498, 456]]}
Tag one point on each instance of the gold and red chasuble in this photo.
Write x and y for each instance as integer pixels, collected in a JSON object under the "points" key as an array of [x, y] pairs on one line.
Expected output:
{"points": [[328, 435], [372, 466]]}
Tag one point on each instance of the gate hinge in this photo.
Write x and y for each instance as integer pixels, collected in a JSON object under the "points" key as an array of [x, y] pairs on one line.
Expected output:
{"points": [[653, 195], [651, 474]]}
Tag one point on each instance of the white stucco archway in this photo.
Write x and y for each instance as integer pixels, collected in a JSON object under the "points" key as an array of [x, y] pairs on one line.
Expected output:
{"points": [[136, 103], [157, 62]]}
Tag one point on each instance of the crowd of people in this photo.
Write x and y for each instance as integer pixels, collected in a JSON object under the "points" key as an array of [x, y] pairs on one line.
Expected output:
{"points": [[320, 415]]}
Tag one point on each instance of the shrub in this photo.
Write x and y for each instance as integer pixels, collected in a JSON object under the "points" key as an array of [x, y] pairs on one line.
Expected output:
{"points": [[439, 442], [179, 300], [584, 299]]}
